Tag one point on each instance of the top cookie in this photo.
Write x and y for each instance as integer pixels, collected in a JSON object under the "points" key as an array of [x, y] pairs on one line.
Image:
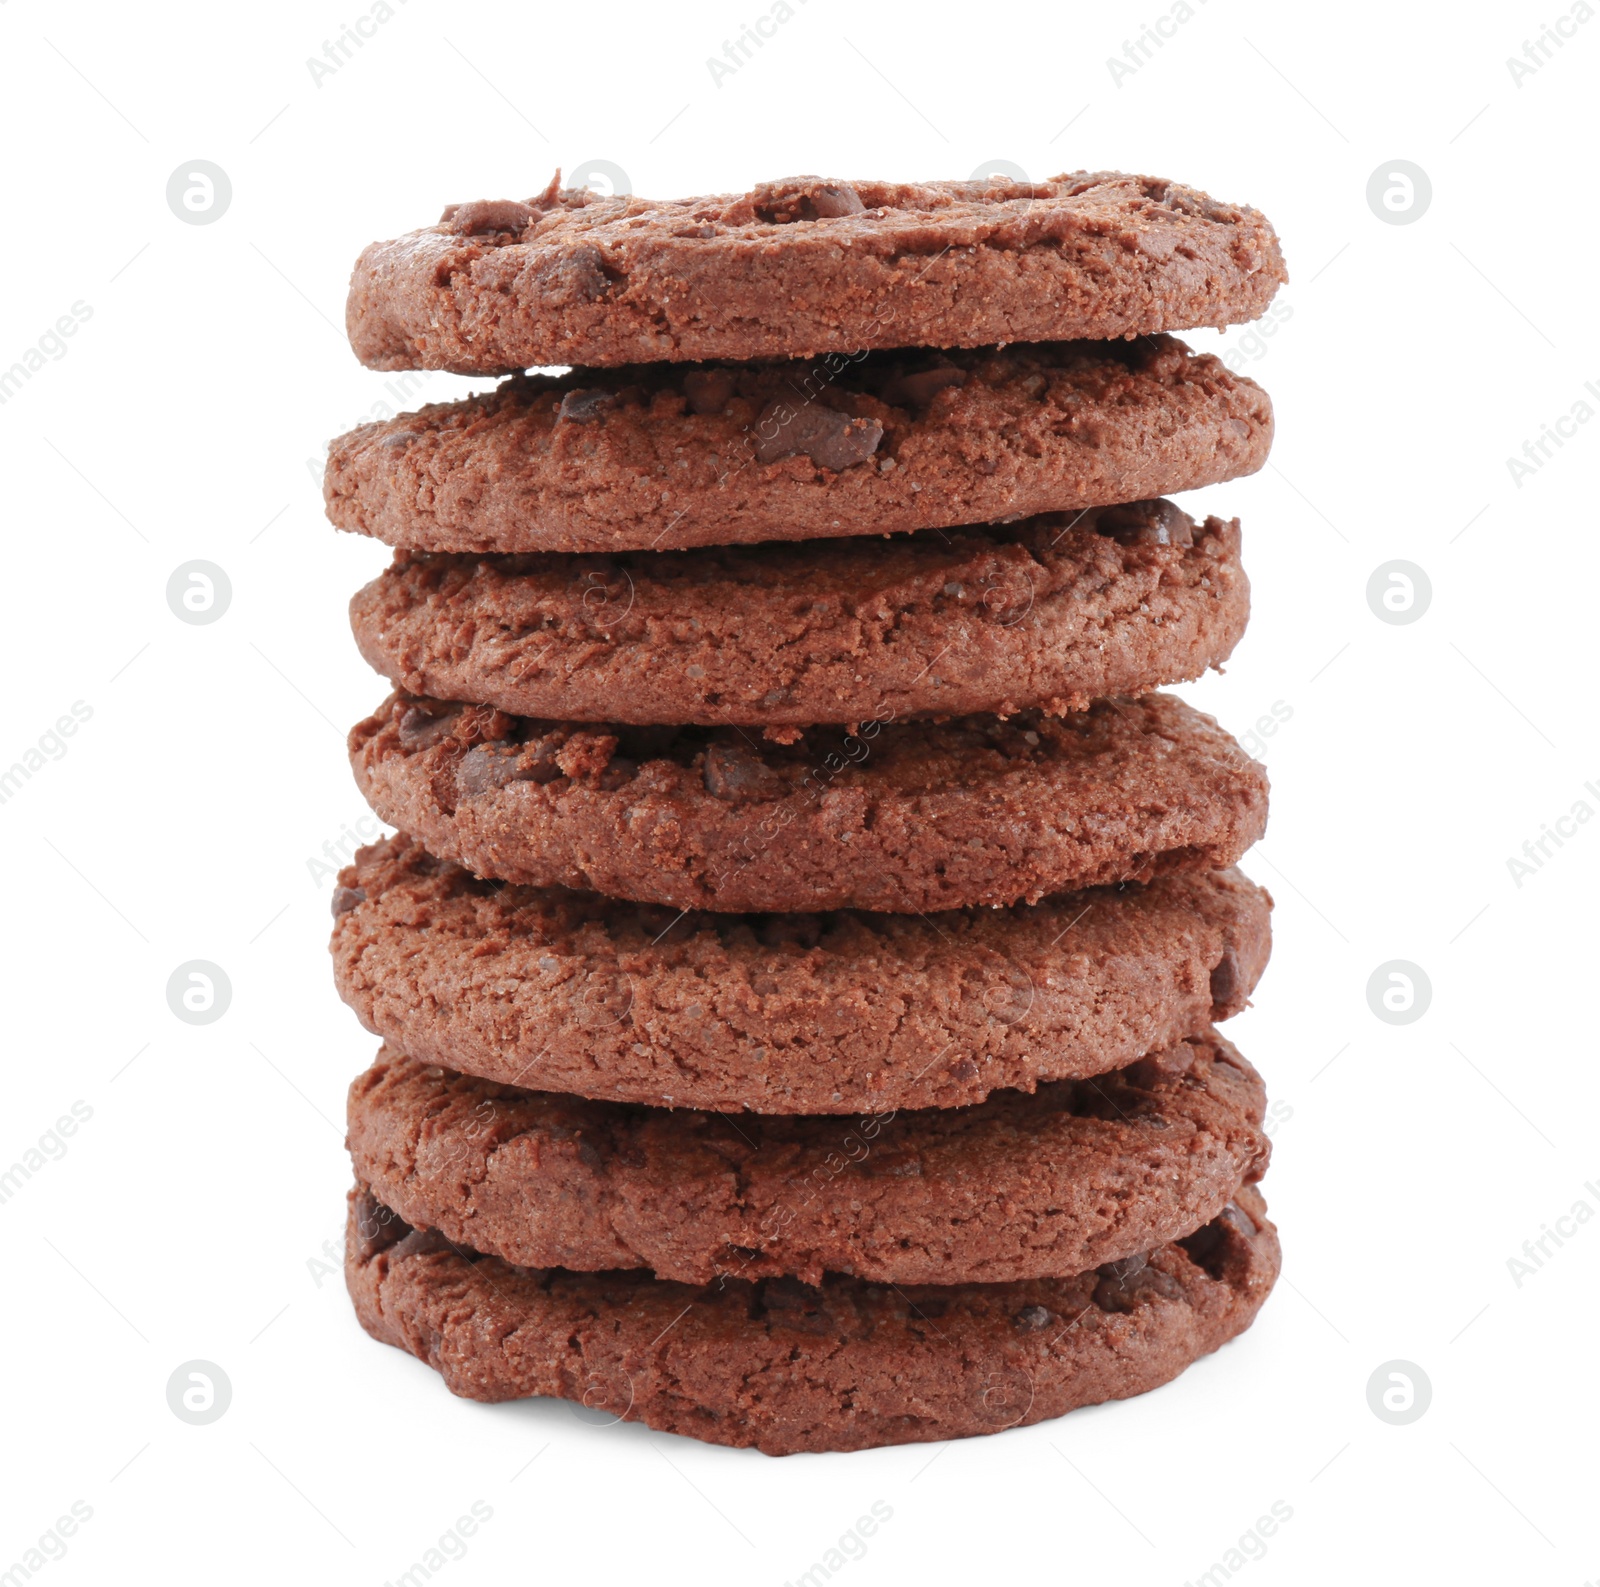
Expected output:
{"points": [[805, 266]]}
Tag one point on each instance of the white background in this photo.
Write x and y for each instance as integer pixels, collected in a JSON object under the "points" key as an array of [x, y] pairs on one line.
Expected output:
{"points": [[186, 1215]]}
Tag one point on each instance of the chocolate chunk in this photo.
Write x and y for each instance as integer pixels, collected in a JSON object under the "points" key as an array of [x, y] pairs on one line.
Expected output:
{"points": [[487, 215], [584, 406], [1224, 983], [919, 388], [732, 772], [829, 438], [1125, 1286], [424, 725], [1154, 1282], [346, 898], [708, 390], [1128, 1267], [422, 1242], [835, 199], [1115, 1296], [1154, 523], [1032, 1318], [575, 278], [801, 198], [486, 767], [377, 1227], [1240, 1219], [1159, 1069]]}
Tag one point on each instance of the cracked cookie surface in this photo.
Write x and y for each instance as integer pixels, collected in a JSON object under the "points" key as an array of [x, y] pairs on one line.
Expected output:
{"points": [[661, 456], [1021, 1186], [784, 1366], [841, 1013], [805, 266], [907, 816], [1049, 613]]}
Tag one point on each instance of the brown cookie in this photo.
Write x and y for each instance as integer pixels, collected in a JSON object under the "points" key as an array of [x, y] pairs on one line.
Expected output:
{"points": [[664, 456], [1049, 613], [1079, 1173], [784, 1366], [847, 1013], [898, 816], [806, 266]]}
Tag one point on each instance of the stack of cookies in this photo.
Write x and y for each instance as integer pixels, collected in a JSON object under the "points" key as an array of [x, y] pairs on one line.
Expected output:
{"points": [[799, 961]]}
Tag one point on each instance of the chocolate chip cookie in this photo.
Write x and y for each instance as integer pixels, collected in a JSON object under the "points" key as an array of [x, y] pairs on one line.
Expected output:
{"points": [[1078, 1174], [904, 816], [659, 457], [847, 1013], [785, 1366], [1049, 613], [806, 266]]}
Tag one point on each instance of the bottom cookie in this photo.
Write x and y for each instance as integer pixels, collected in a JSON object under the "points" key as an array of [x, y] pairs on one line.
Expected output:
{"points": [[786, 1367]]}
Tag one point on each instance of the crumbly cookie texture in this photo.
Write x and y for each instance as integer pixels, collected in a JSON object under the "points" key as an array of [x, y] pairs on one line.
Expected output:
{"points": [[906, 816], [786, 1367], [804, 266], [1078, 1174], [1050, 613], [844, 1013], [662, 456]]}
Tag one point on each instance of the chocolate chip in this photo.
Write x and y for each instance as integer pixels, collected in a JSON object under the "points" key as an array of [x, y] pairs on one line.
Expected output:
{"points": [[1151, 523], [836, 199], [1117, 1296], [919, 388], [731, 772], [1159, 1069], [1032, 1318], [1224, 983], [800, 198], [377, 1226], [487, 215], [708, 390], [346, 898], [1128, 1267], [421, 1242], [585, 406], [426, 723], [573, 278], [486, 767], [1240, 1219], [829, 438]]}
